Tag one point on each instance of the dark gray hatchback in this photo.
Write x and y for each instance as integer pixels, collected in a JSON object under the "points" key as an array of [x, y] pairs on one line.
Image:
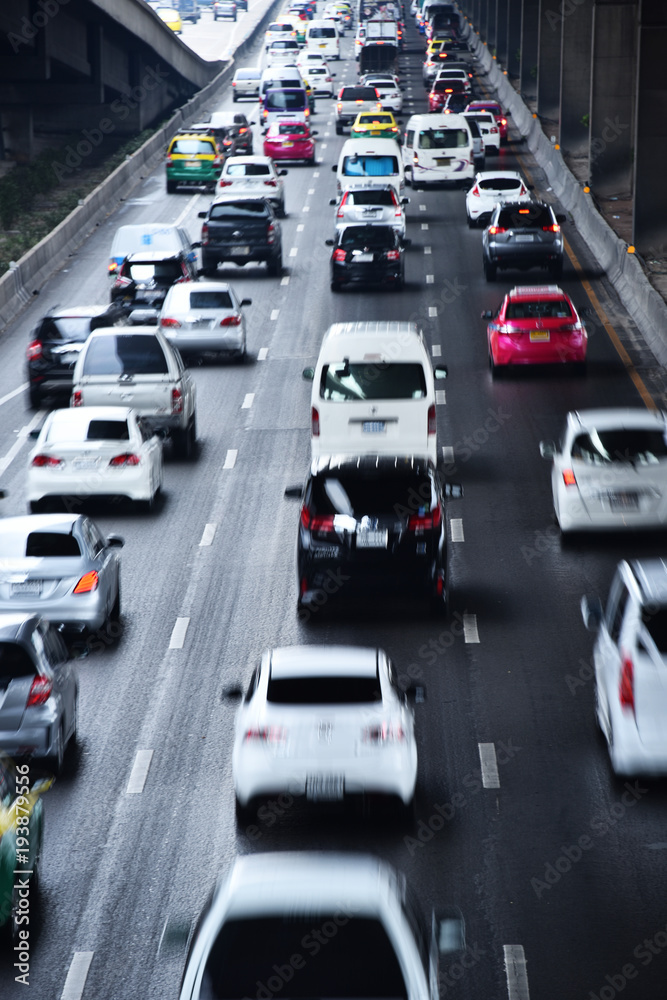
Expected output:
{"points": [[523, 235]]}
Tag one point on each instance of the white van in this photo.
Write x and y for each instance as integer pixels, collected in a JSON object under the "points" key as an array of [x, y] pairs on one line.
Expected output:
{"points": [[374, 392], [369, 161], [322, 36], [437, 148]]}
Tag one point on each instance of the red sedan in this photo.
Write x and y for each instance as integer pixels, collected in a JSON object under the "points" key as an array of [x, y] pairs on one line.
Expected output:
{"points": [[441, 91], [290, 141], [497, 111], [536, 324]]}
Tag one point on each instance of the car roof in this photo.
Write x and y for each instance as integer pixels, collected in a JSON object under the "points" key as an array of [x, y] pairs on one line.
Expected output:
{"points": [[187, 134], [150, 256], [329, 661], [651, 575], [617, 417], [399, 465], [436, 120], [23, 524], [78, 413], [255, 158], [541, 291]]}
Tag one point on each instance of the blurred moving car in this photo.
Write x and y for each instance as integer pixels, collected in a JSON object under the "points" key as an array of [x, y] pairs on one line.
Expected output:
{"points": [[376, 204], [290, 141], [171, 18], [38, 712], [609, 471], [630, 659], [491, 187], [224, 10], [523, 234], [369, 746], [367, 254], [534, 325], [143, 279], [61, 567], [378, 943], [279, 30], [148, 236], [204, 320]]}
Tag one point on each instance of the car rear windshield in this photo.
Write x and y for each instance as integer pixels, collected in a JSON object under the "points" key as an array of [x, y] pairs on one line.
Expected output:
{"points": [[286, 43], [131, 354], [292, 128], [379, 119], [634, 446], [247, 169], [68, 328], [15, 662], [342, 383], [193, 147], [369, 166], [164, 272], [248, 74], [485, 119], [65, 426], [238, 210], [372, 197], [655, 620], [43, 544], [285, 100], [500, 184], [283, 84], [554, 309], [525, 217], [210, 300], [323, 690], [368, 237], [317, 71], [322, 33], [358, 959], [358, 94], [442, 86], [443, 138], [375, 494]]}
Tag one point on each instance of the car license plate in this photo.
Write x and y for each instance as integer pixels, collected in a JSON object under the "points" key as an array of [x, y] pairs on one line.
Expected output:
{"points": [[325, 788], [539, 335], [288, 144], [191, 163], [624, 501], [27, 587], [240, 251], [369, 539], [370, 212], [524, 239], [325, 552], [85, 463], [323, 45], [373, 427], [363, 258], [443, 161]]}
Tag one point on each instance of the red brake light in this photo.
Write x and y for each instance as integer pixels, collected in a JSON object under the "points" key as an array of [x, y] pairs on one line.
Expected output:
{"points": [[87, 584], [475, 191], [317, 522], [242, 130], [233, 320], [393, 254], [383, 732], [431, 421], [339, 254], [524, 211], [569, 478], [420, 522], [40, 691], [34, 350], [523, 190], [626, 688], [77, 398], [548, 229], [39, 461], [224, 184], [122, 461], [496, 229], [272, 183], [171, 323], [204, 233], [314, 421], [267, 734], [176, 401]]}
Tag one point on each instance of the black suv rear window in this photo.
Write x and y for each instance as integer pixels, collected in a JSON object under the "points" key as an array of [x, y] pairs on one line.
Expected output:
{"points": [[238, 210], [525, 217], [323, 690], [374, 495], [372, 237], [358, 94], [131, 354], [372, 380], [14, 662]]}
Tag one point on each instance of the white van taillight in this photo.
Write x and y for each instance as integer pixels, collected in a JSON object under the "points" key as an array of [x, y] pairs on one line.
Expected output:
{"points": [[626, 688], [314, 422], [431, 421]]}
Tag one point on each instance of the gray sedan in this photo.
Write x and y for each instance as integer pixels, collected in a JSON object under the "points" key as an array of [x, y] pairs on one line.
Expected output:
{"points": [[61, 567], [377, 203], [205, 318], [39, 692]]}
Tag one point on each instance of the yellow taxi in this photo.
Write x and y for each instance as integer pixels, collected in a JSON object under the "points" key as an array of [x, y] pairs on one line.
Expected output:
{"points": [[171, 18], [193, 158], [298, 25], [378, 123]]}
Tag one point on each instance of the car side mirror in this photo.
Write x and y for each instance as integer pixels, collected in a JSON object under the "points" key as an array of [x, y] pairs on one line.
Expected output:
{"points": [[560, 218], [333, 201], [334, 169], [330, 243], [487, 314], [234, 692], [3, 494], [449, 929], [405, 201], [195, 246], [246, 302], [314, 132], [115, 541], [548, 449], [308, 374], [591, 612], [440, 372], [200, 215], [294, 492], [283, 173]]}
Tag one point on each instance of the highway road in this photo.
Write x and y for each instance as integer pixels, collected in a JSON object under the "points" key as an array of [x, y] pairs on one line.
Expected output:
{"points": [[551, 859]]}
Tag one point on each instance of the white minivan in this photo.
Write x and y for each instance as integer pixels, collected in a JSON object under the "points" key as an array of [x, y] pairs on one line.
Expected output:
{"points": [[437, 148], [365, 161], [374, 392], [323, 36]]}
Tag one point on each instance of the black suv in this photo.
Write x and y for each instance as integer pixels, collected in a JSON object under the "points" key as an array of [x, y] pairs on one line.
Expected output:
{"points": [[144, 278], [367, 254], [523, 234], [231, 131], [55, 344], [371, 525], [240, 230]]}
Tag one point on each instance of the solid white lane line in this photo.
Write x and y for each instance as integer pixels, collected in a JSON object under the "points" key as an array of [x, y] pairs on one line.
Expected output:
{"points": [[230, 458], [178, 633], [285, 280], [489, 764], [300, 228], [427, 250], [456, 528], [293, 252], [7, 459], [436, 350], [208, 534], [515, 970], [139, 772], [186, 211], [447, 454], [470, 633], [275, 313], [433, 310], [14, 392], [248, 400], [77, 975], [429, 279], [262, 353]]}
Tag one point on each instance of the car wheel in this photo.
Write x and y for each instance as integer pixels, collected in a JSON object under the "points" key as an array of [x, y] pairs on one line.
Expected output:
{"points": [[336, 286], [113, 617], [54, 762], [244, 814], [280, 210], [489, 271], [339, 129], [184, 441], [171, 187], [209, 272], [35, 397], [234, 98], [580, 368], [275, 265]]}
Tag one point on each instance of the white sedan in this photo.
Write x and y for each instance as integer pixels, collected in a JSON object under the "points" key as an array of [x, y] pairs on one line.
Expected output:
{"points": [[320, 79], [324, 723], [252, 175], [388, 90], [92, 451], [610, 470], [490, 187]]}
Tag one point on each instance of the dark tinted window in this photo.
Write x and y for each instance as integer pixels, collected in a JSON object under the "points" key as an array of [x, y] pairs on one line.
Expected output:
{"points": [[210, 300], [51, 543], [74, 328], [132, 354], [358, 94], [292, 128], [15, 662], [279, 100], [323, 690], [372, 198], [373, 380], [500, 184], [247, 169], [656, 623], [322, 33], [108, 430], [636, 446], [554, 309], [443, 138], [376, 495], [358, 959], [443, 86], [370, 237], [238, 210], [525, 217], [286, 43]]}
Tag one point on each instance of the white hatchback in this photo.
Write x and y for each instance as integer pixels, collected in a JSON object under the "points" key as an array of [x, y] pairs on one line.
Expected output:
{"points": [[388, 90], [252, 175], [609, 471], [490, 187], [324, 723]]}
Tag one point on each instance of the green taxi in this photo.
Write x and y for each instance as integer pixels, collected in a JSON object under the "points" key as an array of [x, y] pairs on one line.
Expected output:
{"points": [[193, 158]]}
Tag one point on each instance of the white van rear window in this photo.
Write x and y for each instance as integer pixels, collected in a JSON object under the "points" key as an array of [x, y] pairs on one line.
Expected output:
{"points": [[341, 383], [369, 166]]}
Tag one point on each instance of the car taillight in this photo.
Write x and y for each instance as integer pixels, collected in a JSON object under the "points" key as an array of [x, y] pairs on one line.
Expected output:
{"points": [[234, 320], [551, 229], [233, 83], [40, 691], [242, 130], [267, 734], [314, 421], [88, 583], [431, 421], [415, 158], [475, 191], [317, 522], [77, 398], [523, 190], [338, 106], [339, 254], [493, 131], [40, 461], [176, 401], [494, 230], [569, 477], [272, 183], [422, 522], [224, 184], [122, 461], [34, 350], [113, 266], [169, 159], [383, 732], [169, 322], [270, 233], [503, 121], [626, 688], [569, 328], [204, 233], [393, 254]]}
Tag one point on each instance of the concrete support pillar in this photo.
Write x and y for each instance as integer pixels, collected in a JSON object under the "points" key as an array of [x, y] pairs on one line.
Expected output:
{"points": [[530, 12], [575, 77], [501, 31], [18, 134], [484, 19], [513, 57], [491, 16], [548, 60], [613, 97], [650, 191]]}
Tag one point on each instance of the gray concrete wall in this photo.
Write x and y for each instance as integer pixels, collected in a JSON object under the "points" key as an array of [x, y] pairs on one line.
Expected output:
{"points": [[575, 78]]}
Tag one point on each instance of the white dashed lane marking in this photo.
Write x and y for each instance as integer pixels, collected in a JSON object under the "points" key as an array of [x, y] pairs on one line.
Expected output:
{"points": [[429, 279], [436, 350], [285, 280], [77, 975], [470, 633], [230, 458], [293, 252], [262, 353], [208, 534], [427, 250], [248, 400], [178, 633], [424, 225], [433, 310], [440, 397], [139, 772], [456, 529], [447, 454], [300, 228], [515, 970], [489, 764], [275, 313]]}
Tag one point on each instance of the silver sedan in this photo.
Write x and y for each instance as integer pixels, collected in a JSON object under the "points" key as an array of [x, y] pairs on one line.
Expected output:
{"points": [[205, 318], [60, 567], [377, 203]]}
